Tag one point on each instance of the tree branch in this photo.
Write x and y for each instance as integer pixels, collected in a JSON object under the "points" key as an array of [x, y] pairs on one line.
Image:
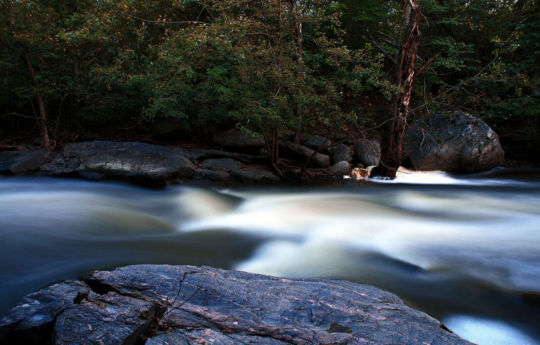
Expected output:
{"points": [[426, 65]]}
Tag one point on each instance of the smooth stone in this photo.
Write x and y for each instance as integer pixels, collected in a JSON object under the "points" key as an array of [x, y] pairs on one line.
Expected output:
{"points": [[458, 142], [367, 152]]}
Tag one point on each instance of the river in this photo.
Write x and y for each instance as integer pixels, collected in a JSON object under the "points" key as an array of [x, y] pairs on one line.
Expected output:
{"points": [[465, 249]]}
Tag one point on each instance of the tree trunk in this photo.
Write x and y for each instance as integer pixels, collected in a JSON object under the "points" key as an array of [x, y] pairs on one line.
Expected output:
{"points": [[392, 150], [42, 116], [518, 10], [275, 147], [300, 51]]}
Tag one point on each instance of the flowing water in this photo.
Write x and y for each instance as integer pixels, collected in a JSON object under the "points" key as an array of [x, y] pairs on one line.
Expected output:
{"points": [[465, 250]]}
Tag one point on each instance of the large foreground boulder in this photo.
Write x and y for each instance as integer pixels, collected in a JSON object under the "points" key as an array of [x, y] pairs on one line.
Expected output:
{"points": [[458, 142], [137, 162], [199, 305]]}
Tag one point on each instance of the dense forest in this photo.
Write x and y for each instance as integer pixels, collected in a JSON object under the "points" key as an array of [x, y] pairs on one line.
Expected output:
{"points": [[271, 68]]}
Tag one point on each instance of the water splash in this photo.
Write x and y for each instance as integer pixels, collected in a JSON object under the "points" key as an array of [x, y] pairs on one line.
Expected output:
{"points": [[487, 332]]}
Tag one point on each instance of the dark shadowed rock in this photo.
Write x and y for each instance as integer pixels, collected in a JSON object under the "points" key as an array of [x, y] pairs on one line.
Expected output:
{"points": [[169, 128], [160, 304], [341, 168], [21, 162], [316, 142], [341, 152], [127, 160], [223, 164], [255, 175], [110, 318], [202, 154], [303, 152], [32, 321], [213, 175], [457, 142], [236, 140], [367, 152]]}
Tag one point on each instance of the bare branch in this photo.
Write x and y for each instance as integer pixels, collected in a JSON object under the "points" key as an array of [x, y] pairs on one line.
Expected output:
{"points": [[426, 65]]}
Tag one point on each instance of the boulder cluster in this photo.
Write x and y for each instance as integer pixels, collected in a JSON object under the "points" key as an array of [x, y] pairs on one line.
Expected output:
{"points": [[457, 143]]}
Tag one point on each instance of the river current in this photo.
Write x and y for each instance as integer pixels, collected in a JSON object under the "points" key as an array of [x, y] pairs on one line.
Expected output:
{"points": [[464, 249]]}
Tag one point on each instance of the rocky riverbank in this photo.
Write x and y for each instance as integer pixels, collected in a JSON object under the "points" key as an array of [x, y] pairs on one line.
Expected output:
{"points": [[456, 143], [160, 304]]}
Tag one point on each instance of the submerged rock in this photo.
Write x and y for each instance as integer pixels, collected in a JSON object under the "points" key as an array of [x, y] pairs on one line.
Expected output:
{"points": [[136, 162], [161, 304], [458, 142]]}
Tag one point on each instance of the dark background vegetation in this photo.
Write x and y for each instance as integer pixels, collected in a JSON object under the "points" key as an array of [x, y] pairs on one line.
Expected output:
{"points": [[124, 69]]}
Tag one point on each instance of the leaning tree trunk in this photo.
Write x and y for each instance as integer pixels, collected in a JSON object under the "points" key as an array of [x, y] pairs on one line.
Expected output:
{"points": [[42, 116], [295, 8], [392, 150], [20, 48]]}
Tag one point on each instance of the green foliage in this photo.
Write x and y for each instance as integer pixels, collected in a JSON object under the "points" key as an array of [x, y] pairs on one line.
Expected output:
{"points": [[244, 68], [239, 63]]}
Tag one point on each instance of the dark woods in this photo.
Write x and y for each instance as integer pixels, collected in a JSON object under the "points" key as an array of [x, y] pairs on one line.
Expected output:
{"points": [[276, 69]]}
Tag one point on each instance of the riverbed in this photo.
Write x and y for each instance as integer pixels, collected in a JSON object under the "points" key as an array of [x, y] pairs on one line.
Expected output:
{"points": [[464, 249]]}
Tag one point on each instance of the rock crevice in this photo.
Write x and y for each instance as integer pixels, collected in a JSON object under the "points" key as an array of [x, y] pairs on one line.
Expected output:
{"points": [[161, 304]]}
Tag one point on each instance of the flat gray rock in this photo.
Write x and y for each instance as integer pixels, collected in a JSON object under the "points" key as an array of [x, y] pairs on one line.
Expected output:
{"points": [[138, 162], [176, 305]]}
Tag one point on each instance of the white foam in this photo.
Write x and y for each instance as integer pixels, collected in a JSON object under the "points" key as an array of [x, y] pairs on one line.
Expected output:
{"points": [[199, 203], [477, 236], [437, 177], [487, 332]]}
